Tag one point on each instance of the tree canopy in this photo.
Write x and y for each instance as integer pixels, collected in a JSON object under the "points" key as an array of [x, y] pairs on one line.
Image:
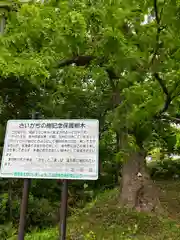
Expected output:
{"points": [[117, 61]]}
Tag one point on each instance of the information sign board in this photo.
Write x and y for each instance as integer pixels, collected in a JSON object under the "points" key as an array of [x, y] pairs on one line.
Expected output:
{"points": [[51, 149]]}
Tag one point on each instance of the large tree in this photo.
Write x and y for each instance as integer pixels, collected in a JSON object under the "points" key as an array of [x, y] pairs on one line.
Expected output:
{"points": [[117, 61]]}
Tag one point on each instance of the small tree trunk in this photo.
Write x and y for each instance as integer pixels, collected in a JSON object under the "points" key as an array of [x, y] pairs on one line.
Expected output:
{"points": [[117, 174], [138, 190]]}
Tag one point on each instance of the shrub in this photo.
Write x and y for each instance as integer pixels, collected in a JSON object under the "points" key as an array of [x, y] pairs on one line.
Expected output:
{"points": [[166, 169], [7, 231], [41, 212], [3, 207]]}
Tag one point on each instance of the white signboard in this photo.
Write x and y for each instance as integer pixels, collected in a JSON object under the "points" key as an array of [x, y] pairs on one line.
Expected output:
{"points": [[51, 149]]}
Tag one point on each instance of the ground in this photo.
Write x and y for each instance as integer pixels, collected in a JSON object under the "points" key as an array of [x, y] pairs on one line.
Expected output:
{"points": [[105, 219]]}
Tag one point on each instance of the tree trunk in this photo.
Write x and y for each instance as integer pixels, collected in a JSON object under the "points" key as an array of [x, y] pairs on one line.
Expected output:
{"points": [[118, 165], [138, 190]]}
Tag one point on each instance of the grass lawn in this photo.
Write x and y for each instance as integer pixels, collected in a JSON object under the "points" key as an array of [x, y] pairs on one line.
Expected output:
{"points": [[105, 219]]}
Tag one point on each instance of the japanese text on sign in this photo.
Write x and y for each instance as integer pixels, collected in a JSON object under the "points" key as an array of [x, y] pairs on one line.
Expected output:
{"points": [[61, 149]]}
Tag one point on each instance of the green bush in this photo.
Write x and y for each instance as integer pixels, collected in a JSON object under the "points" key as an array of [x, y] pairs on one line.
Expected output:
{"points": [[166, 169], [7, 231], [3, 207], [41, 212]]}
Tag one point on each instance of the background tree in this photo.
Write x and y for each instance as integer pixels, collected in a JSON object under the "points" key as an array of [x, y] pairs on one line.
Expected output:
{"points": [[98, 59]]}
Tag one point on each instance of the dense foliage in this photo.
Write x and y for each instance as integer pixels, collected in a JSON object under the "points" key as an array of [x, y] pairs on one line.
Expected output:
{"points": [[116, 61]]}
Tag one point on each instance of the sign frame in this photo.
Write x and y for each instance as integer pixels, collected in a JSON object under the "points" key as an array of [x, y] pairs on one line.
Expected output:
{"points": [[54, 175]]}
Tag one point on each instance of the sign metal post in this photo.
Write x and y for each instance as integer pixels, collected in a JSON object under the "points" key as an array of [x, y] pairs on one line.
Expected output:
{"points": [[63, 212], [24, 207], [24, 202]]}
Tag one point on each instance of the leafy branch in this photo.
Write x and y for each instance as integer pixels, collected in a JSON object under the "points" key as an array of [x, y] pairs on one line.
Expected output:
{"points": [[85, 60], [158, 23], [78, 61], [168, 94]]}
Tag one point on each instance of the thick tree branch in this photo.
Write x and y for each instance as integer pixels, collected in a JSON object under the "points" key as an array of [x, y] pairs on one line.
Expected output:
{"points": [[166, 105], [158, 44], [156, 12], [167, 94], [170, 119], [85, 61], [161, 83], [175, 120], [158, 20], [176, 85], [78, 61]]}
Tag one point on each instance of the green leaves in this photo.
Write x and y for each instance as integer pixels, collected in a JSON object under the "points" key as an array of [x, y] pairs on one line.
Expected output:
{"points": [[115, 36]]}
